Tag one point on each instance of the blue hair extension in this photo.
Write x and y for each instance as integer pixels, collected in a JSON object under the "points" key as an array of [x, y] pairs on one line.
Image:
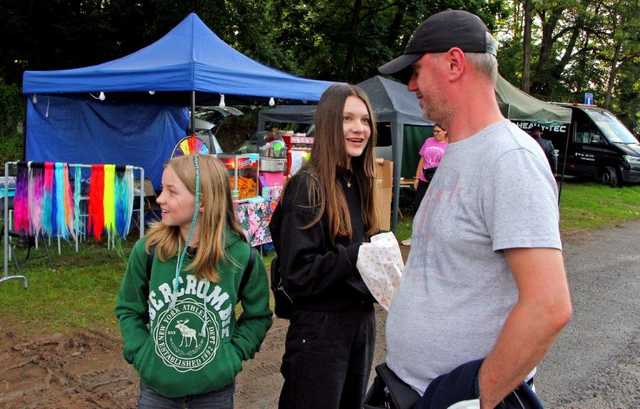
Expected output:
{"points": [[120, 202], [59, 215]]}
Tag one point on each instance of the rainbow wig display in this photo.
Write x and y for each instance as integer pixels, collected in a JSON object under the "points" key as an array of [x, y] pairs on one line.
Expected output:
{"points": [[36, 181], [21, 200], [47, 196], [109, 200], [95, 224]]}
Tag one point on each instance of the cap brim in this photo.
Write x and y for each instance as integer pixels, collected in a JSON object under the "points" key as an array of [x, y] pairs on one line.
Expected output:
{"points": [[398, 64]]}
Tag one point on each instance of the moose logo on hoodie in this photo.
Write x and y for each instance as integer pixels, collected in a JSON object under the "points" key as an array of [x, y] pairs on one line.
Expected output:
{"points": [[188, 336]]}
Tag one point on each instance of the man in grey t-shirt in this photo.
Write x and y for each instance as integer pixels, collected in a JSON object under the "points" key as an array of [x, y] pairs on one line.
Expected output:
{"points": [[485, 277]]}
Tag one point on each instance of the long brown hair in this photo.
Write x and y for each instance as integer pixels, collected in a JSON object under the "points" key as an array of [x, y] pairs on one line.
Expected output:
{"points": [[329, 153], [217, 214]]}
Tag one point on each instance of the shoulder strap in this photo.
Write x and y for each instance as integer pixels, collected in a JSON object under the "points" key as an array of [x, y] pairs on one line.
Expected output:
{"points": [[150, 258], [248, 269]]}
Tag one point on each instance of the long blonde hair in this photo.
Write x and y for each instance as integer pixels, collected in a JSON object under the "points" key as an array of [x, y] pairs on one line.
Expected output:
{"points": [[329, 153], [217, 214]]}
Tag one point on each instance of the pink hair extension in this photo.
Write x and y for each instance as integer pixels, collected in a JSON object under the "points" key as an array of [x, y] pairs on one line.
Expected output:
{"points": [[21, 200], [47, 196]]}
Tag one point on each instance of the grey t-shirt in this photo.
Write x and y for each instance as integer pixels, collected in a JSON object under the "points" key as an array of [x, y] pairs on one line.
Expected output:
{"points": [[492, 191]]}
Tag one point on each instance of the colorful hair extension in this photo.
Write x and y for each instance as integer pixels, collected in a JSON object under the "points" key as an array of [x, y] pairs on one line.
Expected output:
{"points": [[68, 202], [59, 215], [46, 217], [21, 200], [77, 193], [109, 199], [120, 198], [96, 205], [128, 175], [30, 188], [36, 181], [54, 205]]}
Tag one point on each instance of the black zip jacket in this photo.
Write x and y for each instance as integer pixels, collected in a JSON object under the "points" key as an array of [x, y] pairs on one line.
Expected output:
{"points": [[317, 274]]}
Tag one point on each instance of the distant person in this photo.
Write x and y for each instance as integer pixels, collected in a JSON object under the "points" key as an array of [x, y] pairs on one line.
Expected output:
{"points": [[484, 293], [325, 213], [431, 153], [547, 146], [177, 303]]}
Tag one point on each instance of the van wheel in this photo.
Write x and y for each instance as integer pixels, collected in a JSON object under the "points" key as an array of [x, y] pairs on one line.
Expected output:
{"points": [[610, 177]]}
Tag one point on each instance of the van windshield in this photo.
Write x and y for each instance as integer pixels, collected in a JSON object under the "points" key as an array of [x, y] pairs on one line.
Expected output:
{"points": [[611, 126]]}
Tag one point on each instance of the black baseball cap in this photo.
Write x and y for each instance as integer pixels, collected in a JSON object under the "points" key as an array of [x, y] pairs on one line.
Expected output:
{"points": [[441, 32]]}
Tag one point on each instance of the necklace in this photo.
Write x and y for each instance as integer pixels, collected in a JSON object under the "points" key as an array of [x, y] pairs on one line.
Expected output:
{"points": [[349, 181]]}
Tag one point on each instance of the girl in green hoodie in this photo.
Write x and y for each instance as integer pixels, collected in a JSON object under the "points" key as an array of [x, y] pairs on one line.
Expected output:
{"points": [[183, 280]]}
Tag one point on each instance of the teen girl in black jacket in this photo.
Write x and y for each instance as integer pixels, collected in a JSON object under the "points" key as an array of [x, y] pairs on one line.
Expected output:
{"points": [[325, 213]]}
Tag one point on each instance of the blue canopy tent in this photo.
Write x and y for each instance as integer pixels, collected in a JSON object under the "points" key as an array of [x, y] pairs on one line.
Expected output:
{"points": [[66, 121]]}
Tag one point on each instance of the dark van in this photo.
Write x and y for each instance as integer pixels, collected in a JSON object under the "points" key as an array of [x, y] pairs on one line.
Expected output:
{"points": [[599, 147]]}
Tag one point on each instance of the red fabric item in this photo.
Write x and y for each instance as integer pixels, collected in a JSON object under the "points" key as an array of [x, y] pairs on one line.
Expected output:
{"points": [[95, 223], [192, 144]]}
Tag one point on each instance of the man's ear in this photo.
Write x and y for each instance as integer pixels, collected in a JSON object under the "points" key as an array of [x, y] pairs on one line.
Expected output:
{"points": [[456, 63]]}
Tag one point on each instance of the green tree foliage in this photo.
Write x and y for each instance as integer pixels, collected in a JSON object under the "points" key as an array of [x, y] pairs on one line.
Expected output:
{"points": [[576, 46], [579, 46]]}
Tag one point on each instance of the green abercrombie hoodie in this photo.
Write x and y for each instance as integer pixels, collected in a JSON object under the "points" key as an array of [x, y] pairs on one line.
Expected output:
{"points": [[169, 347]]}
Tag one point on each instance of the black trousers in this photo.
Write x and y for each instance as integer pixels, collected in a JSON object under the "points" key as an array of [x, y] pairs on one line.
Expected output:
{"points": [[327, 359], [422, 186]]}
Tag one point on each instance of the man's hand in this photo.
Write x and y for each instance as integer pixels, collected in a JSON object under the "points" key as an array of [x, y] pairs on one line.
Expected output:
{"points": [[542, 310]]}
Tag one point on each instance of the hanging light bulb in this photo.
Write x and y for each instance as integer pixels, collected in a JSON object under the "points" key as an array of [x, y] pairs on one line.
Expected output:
{"points": [[34, 98], [272, 102], [222, 104], [101, 96], [152, 92]]}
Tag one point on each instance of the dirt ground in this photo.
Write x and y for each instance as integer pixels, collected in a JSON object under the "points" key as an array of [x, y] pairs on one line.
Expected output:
{"points": [[86, 370]]}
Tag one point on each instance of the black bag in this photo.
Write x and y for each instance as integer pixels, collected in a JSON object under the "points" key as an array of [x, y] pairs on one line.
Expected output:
{"points": [[389, 392], [283, 302]]}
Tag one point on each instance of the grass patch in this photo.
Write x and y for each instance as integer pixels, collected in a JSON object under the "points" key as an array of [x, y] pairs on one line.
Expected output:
{"points": [[588, 206], [72, 290], [78, 290]]}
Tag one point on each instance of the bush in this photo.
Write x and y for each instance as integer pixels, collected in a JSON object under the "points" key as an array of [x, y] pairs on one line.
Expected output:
{"points": [[11, 148], [11, 109], [11, 119]]}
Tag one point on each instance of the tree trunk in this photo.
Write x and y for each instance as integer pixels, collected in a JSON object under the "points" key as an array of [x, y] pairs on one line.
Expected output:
{"points": [[526, 46], [568, 52], [396, 24], [350, 57], [540, 84]]}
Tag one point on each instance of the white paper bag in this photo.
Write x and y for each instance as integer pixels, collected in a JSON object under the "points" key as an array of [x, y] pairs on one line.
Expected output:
{"points": [[380, 265]]}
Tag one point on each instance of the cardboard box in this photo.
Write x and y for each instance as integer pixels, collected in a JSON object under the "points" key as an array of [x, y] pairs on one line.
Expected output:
{"points": [[382, 192]]}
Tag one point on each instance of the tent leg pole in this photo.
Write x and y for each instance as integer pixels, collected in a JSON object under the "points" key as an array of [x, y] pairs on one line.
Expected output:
{"points": [[571, 134], [193, 112]]}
